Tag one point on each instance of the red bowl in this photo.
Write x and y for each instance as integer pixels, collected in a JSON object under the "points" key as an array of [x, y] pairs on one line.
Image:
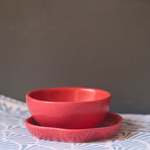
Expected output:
{"points": [[68, 107]]}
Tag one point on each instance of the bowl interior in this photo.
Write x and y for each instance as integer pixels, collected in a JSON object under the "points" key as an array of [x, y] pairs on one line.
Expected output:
{"points": [[68, 94]]}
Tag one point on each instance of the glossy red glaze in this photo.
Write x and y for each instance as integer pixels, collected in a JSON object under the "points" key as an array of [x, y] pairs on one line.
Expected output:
{"points": [[74, 108], [106, 129]]}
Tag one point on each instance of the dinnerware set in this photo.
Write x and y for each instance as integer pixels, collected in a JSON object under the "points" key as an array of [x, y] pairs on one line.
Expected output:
{"points": [[71, 114]]}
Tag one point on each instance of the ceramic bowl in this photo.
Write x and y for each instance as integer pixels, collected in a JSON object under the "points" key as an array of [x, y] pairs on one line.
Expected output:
{"points": [[68, 107]]}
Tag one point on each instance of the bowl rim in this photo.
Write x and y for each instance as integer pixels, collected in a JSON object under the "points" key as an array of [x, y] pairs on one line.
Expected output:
{"points": [[79, 102]]}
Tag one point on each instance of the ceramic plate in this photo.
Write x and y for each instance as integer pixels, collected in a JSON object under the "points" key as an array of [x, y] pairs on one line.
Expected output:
{"points": [[104, 130]]}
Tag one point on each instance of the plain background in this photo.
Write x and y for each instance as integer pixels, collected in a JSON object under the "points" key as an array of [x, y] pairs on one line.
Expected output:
{"points": [[85, 43]]}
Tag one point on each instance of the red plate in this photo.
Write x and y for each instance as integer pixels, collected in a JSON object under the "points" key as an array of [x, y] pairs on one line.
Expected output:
{"points": [[106, 129]]}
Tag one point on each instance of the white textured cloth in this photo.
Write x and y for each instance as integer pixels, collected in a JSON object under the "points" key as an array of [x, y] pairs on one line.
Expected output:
{"points": [[134, 133]]}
